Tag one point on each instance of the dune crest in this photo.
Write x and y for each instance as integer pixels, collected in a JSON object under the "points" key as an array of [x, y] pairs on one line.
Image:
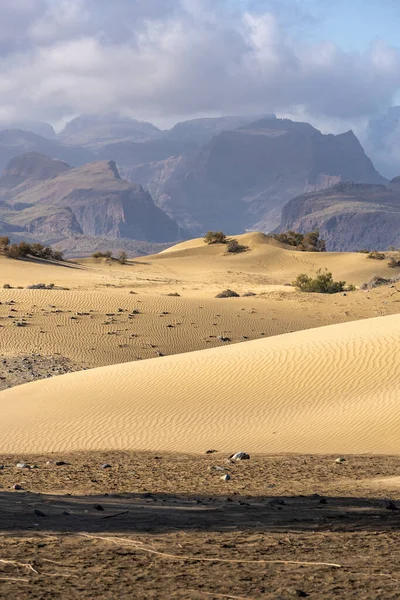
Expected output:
{"points": [[332, 389]]}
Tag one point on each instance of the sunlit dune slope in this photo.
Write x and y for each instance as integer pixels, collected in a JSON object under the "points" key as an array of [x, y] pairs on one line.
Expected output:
{"points": [[332, 389], [275, 262]]}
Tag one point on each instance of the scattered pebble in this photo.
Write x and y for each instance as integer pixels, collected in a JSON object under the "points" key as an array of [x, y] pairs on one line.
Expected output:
{"points": [[240, 456]]}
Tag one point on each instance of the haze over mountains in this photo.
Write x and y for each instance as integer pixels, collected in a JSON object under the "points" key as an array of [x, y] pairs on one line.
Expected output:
{"points": [[50, 200], [231, 173]]}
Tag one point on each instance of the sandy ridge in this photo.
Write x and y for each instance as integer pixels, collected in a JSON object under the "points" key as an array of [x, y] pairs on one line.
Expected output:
{"points": [[332, 389]]}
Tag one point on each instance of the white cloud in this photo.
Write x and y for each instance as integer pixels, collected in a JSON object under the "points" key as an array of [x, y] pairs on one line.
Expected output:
{"points": [[165, 59]]}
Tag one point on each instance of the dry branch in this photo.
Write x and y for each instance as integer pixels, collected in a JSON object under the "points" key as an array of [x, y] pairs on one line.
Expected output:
{"points": [[139, 546]]}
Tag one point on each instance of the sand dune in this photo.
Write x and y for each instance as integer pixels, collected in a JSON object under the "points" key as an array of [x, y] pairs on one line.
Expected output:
{"points": [[331, 389]]}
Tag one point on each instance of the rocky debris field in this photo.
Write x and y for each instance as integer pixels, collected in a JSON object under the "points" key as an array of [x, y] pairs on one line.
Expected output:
{"points": [[15, 370]]}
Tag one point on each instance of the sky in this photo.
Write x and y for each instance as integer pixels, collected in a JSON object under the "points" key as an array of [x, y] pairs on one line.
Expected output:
{"points": [[332, 62]]}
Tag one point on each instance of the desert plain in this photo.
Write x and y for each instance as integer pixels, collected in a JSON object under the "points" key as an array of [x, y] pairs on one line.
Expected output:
{"points": [[141, 384]]}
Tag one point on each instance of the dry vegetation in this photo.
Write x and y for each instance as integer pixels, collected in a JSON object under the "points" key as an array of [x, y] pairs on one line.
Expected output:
{"points": [[307, 242], [24, 250]]}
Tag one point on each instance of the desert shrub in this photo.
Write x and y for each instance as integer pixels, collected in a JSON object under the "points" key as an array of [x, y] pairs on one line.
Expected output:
{"points": [[375, 255], [13, 251], [248, 294], [7, 286], [377, 281], [41, 286], [363, 251], [215, 237], [173, 294], [290, 238], [122, 257], [312, 242], [106, 254], [4, 242], [23, 249], [234, 247], [227, 294], [323, 283], [308, 242], [394, 261]]}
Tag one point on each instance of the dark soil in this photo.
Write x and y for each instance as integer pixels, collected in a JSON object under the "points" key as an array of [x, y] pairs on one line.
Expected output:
{"points": [[167, 526]]}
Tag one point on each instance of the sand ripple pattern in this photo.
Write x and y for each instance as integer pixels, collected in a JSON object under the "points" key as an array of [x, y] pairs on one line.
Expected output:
{"points": [[331, 389]]}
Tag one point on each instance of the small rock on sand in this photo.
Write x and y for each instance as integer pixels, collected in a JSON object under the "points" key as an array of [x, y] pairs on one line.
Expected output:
{"points": [[240, 456]]}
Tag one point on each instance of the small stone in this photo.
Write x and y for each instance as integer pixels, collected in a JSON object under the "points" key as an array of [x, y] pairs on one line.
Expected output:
{"points": [[22, 465], [211, 451], [98, 507], [60, 463], [225, 477], [277, 502], [105, 466], [340, 460], [301, 594], [16, 486], [391, 505], [39, 513], [240, 456]]}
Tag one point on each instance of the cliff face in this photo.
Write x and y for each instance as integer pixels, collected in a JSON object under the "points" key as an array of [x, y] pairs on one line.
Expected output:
{"points": [[91, 200], [243, 178], [349, 216]]}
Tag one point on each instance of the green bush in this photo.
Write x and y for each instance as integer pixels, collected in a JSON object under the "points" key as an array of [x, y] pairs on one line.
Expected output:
{"points": [[307, 242], [4, 242], [106, 254], [23, 249], [215, 237], [234, 247], [323, 283]]}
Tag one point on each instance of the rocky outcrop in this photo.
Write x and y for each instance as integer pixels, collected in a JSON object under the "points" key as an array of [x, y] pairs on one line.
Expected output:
{"points": [[349, 216], [243, 178], [27, 170], [91, 200]]}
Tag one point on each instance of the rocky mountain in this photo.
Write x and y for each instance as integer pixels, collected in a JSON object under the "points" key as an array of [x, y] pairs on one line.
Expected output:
{"points": [[91, 200], [242, 178], [26, 170], [93, 131], [201, 131], [132, 154], [227, 173], [39, 127], [14, 142], [349, 216]]}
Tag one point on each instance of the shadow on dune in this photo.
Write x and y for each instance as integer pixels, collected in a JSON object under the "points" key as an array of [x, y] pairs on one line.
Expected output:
{"points": [[161, 513]]}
